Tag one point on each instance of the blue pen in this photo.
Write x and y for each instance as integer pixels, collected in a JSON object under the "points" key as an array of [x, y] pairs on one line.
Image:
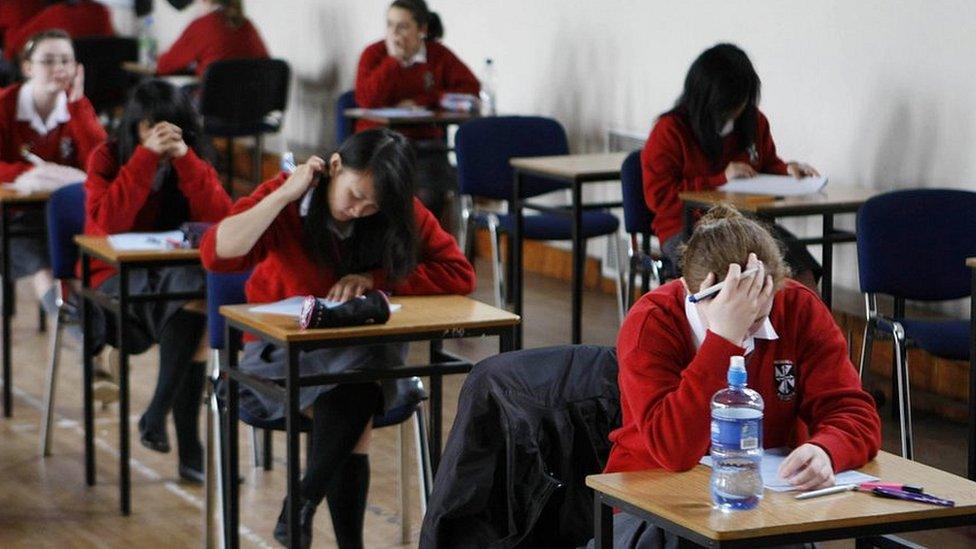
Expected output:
{"points": [[716, 288]]}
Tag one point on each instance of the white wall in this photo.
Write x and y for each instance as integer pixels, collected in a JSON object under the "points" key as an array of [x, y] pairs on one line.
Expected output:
{"points": [[874, 93]]}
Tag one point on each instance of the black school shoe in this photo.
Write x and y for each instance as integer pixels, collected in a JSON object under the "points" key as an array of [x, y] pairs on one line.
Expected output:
{"points": [[192, 473], [306, 514], [157, 441]]}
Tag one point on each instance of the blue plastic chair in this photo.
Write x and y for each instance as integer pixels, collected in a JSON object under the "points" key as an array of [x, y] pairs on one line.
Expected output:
{"points": [[637, 223], [344, 126], [228, 289], [65, 219], [484, 147], [912, 245]]}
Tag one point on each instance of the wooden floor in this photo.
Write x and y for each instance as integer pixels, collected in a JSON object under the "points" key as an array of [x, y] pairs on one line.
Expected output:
{"points": [[45, 502]]}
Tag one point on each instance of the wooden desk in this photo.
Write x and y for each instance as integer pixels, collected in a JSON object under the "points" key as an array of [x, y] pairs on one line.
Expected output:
{"points": [[428, 318], [971, 468], [681, 503], [148, 71], [833, 200], [437, 118], [124, 262], [12, 202], [576, 170]]}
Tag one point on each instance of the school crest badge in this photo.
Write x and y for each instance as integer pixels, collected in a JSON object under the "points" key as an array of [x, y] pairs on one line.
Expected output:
{"points": [[784, 373], [67, 148], [428, 81]]}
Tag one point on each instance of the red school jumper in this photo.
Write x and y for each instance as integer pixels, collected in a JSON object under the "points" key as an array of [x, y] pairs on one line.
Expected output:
{"points": [[69, 144], [382, 82], [14, 13], [672, 162], [121, 200], [208, 39], [86, 18], [810, 388], [283, 267]]}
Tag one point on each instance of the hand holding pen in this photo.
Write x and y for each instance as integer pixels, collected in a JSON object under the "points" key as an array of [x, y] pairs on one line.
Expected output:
{"points": [[740, 301]]}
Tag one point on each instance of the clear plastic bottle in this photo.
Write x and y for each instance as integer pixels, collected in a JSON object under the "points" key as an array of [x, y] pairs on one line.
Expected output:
{"points": [[487, 95], [737, 437], [147, 42]]}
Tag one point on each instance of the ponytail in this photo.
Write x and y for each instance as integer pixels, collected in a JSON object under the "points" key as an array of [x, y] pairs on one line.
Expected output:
{"points": [[423, 16]]}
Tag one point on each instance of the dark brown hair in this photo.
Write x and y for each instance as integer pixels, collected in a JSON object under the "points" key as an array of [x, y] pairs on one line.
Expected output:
{"points": [[423, 16], [724, 236]]}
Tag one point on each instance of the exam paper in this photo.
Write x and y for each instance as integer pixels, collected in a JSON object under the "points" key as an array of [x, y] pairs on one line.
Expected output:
{"points": [[292, 306], [398, 112], [165, 240], [773, 457], [775, 185]]}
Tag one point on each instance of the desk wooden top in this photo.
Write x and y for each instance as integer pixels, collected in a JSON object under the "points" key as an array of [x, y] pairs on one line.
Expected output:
{"points": [[443, 118], [971, 262], [833, 198], [11, 196], [177, 80], [99, 247], [684, 499], [592, 167], [417, 314], [138, 68]]}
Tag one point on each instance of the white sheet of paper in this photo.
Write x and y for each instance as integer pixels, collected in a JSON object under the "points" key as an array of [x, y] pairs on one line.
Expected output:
{"points": [[145, 241], [397, 112], [292, 306], [775, 185], [773, 457]]}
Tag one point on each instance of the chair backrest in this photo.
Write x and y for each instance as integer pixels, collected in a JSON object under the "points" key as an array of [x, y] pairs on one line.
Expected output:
{"points": [[65, 219], [344, 126], [222, 289], [913, 244], [106, 84], [244, 91], [484, 147], [637, 216]]}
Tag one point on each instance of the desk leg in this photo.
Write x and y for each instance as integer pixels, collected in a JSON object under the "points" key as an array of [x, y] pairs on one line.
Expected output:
{"points": [[515, 252], [292, 425], [506, 340], [579, 256], [688, 215], [827, 282], [972, 381], [436, 401], [87, 372], [8, 310], [231, 461], [602, 523], [124, 473]]}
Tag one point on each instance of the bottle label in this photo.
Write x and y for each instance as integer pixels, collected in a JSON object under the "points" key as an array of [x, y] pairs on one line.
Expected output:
{"points": [[737, 429]]}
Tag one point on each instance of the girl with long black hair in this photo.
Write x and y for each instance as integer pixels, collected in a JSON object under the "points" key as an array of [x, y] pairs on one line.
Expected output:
{"points": [[336, 228], [715, 133], [153, 176]]}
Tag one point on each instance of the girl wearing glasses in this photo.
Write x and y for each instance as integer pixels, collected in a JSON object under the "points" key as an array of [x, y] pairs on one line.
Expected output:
{"points": [[45, 123]]}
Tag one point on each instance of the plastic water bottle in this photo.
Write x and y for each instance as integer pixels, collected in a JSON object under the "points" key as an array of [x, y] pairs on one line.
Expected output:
{"points": [[487, 94], [737, 436], [147, 42]]}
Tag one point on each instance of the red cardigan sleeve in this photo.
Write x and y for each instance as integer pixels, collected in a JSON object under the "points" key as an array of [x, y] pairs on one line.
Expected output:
{"points": [[376, 77], [200, 185], [208, 251], [771, 162], [86, 130], [841, 416], [183, 52], [442, 268], [113, 197], [665, 394]]}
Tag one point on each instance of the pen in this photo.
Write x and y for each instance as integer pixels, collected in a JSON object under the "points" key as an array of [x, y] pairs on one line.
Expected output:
{"points": [[912, 496], [716, 288], [827, 491], [31, 157]]}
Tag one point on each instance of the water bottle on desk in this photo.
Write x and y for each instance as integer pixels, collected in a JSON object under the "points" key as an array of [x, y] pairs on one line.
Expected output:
{"points": [[147, 43], [737, 451], [487, 94]]}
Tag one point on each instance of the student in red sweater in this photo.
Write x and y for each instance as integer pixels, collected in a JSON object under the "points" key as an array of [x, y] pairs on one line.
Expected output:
{"points": [[674, 356], [49, 117], [153, 177], [715, 133], [336, 228], [79, 18], [223, 33], [411, 68]]}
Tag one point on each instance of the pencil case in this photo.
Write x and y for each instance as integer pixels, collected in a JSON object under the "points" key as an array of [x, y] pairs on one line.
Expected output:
{"points": [[371, 308]]}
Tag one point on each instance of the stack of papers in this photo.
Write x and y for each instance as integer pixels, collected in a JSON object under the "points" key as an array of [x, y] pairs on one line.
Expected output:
{"points": [[775, 185], [292, 306], [165, 240], [771, 461], [398, 112]]}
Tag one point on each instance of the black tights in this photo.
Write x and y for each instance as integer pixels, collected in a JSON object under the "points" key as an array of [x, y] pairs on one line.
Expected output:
{"points": [[179, 386], [333, 471]]}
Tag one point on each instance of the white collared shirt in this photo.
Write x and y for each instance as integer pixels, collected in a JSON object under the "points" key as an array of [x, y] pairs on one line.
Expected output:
{"points": [[765, 331], [26, 111], [419, 57]]}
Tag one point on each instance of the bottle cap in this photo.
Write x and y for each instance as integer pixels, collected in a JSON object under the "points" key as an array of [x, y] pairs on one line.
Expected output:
{"points": [[737, 371]]}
